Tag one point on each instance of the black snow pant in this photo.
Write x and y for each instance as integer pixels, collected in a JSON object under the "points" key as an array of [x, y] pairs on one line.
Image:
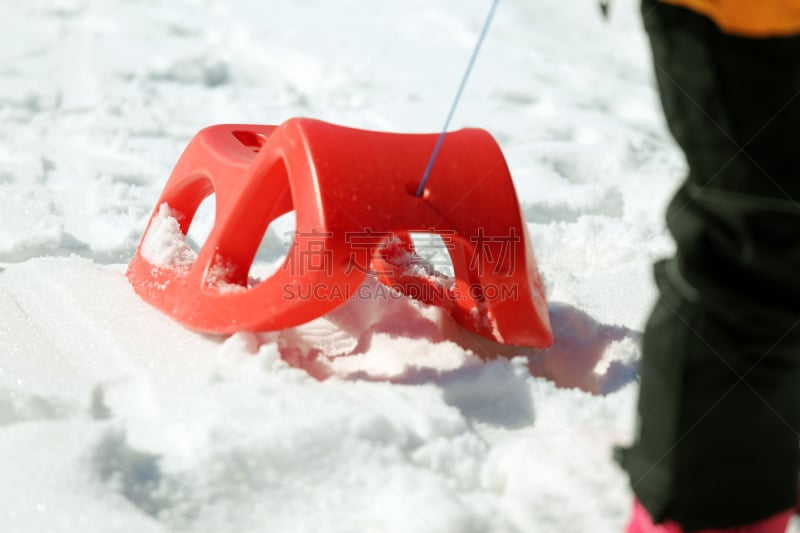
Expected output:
{"points": [[716, 442]]}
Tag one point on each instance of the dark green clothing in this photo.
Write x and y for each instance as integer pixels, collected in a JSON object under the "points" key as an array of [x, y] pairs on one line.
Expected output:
{"points": [[719, 405]]}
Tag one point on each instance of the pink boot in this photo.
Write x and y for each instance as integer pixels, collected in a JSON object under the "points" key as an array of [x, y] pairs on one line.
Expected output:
{"points": [[642, 523]]}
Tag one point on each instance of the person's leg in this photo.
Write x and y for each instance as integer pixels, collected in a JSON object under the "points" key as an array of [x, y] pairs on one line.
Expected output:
{"points": [[719, 405], [642, 522]]}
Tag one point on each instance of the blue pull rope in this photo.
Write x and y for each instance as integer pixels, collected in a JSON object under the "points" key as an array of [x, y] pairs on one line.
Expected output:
{"points": [[440, 140]]}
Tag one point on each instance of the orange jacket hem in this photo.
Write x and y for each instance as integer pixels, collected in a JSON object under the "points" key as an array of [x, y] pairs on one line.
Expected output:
{"points": [[749, 18]]}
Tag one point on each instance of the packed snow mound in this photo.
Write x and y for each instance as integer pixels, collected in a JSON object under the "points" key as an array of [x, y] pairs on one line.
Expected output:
{"points": [[162, 429]]}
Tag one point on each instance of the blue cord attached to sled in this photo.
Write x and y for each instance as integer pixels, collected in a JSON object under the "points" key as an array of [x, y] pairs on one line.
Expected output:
{"points": [[440, 140]]}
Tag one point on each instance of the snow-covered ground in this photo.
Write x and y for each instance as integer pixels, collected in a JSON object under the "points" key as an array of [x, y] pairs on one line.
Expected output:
{"points": [[113, 417]]}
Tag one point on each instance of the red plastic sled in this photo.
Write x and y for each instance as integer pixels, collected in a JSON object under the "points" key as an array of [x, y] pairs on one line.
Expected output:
{"points": [[353, 193]]}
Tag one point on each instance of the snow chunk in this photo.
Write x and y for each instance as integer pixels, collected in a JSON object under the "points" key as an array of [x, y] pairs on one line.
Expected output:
{"points": [[220, 273], [165, 244]]}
